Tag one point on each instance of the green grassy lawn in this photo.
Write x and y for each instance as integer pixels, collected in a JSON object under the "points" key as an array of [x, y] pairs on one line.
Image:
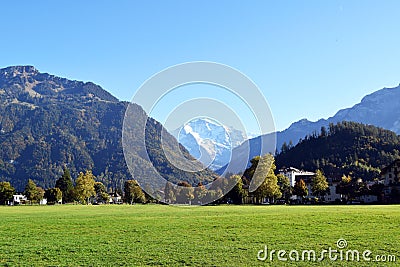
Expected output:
{"points": [[141, 235]]}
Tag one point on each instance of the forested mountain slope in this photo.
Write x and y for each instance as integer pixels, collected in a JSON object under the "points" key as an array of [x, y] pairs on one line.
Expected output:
{"points": [[48, 122]]}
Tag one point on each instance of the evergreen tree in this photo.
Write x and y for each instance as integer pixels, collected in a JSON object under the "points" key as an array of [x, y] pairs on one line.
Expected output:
{"points": [[64, 183], [284, 147], [101, 192], [284, 187], [323, 131], [290, 146]]}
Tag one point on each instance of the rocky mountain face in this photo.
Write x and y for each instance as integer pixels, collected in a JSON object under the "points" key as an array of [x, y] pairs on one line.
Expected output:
{"points": [[381, 108], [48, 122], [209, 141], [23, 82]]}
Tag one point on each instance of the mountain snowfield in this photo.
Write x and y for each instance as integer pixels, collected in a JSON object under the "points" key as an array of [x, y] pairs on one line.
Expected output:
{"points": [[209, 141]]}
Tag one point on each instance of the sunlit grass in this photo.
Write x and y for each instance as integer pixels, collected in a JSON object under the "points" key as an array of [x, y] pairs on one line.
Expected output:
{"points": [[158, 235]]}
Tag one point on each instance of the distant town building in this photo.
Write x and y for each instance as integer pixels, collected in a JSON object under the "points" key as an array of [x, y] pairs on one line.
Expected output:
{"points": [[391, 173], [19, 199], [367, 198], [294, 175], [332, 196], [391, 177], [115, 198]]}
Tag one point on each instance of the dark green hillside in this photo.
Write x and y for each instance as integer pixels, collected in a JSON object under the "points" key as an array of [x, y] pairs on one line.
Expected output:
{"points": [[47, 122], [346, 148]]}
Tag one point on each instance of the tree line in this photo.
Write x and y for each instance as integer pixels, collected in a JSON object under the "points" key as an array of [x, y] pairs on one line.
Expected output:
{"points": [[85, 190], [233, 189], [261, 173]]}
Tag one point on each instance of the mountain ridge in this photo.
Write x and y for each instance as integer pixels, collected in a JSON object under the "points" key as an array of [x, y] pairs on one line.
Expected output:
{"points": [[39, 84], [380, 108], [48, 123]]}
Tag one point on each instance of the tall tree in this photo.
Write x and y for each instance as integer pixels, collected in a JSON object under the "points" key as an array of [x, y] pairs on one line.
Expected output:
{"points": [[284, 187], [40, 194], [352, 188], [345, 187], [284, 147], [319, 184], [31, 192], [235, 195], [53, 195], [300, 189], [265, 172], [101, 192], [133, 192], [84, 188], [323, 131], [6, 192], [66, 186], [290, 146], [249, 172]]}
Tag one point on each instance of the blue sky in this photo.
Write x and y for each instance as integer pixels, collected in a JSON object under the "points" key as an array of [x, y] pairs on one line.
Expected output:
{"points": [[310, 58]]}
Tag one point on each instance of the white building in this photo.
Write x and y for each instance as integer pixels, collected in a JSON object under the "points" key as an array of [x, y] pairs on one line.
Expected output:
{"points": [[115, 198], [19, 199], [294, 175]]}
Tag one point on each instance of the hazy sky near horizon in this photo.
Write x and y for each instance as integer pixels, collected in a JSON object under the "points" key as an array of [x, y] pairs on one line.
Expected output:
{"points": [[309, 58]]}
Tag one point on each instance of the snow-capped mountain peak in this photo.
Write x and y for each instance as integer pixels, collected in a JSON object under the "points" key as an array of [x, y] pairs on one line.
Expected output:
{"points": [[209, 141]]}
